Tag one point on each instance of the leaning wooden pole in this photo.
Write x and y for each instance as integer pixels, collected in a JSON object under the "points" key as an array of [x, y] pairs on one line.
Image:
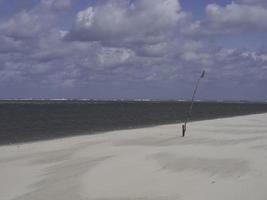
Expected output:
{"points": [[189, 112]]}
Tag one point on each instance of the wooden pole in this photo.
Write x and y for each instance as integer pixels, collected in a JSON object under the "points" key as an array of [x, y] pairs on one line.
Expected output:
{"points": [[192, 103]]}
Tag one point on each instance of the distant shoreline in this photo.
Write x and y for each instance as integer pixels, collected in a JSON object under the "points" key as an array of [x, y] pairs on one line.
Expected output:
{"points": [[126, 100]]}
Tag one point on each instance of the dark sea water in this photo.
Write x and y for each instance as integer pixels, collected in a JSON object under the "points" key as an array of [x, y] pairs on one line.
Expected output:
{"points": [[24, 121]]}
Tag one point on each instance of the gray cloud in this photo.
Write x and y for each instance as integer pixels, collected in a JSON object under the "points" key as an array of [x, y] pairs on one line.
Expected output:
{"points": [[57, 4], [253, 2], [9, 45]]}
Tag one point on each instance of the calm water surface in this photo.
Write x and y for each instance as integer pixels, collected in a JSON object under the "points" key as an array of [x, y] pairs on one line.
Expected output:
{"points": [[22, 121]]}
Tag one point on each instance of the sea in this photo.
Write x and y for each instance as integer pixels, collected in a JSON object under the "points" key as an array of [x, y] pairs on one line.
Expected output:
{"points": [[33, 120]]}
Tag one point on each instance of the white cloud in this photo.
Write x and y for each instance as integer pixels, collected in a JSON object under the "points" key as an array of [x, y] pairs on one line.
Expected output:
{"points": [[117, 20], [113, 56], [259, 57], [114, 42], [156, 50], [236, 17], [22, 26]]}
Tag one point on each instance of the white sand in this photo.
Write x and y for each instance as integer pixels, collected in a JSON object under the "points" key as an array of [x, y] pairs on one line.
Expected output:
{"points": [[224, 159]]}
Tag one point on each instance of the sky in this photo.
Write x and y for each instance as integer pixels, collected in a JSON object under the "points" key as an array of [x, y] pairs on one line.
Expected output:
{"points": [[133, 49]]}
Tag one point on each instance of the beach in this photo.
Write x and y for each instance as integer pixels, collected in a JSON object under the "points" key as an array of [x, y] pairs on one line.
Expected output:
{"points": [[218, 159]]}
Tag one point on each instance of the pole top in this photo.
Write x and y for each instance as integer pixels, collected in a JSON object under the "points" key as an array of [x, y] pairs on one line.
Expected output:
{"points": [[203, 74]]}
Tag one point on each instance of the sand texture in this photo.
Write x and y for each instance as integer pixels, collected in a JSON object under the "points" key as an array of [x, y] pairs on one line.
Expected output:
{"points": [[222, 159]]}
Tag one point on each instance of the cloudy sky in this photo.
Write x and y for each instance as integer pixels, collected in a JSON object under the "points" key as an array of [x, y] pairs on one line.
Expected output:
{"points": [[155, 49]]}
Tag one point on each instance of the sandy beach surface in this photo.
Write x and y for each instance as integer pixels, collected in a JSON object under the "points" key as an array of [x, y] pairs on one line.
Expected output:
{"points": [[218, 159]]}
